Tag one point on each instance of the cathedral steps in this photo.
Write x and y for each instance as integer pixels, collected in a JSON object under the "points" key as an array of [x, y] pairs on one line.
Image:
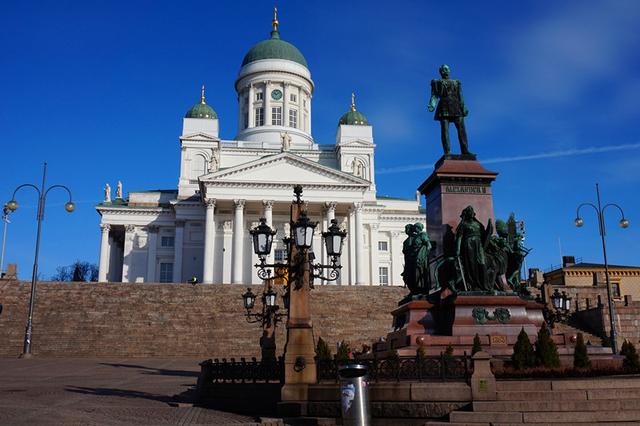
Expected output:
{"points": [[580, 402]]}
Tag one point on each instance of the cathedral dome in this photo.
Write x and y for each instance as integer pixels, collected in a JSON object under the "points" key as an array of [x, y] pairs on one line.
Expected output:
{"points": [[274, 48], [201, 110], [353, 117]]}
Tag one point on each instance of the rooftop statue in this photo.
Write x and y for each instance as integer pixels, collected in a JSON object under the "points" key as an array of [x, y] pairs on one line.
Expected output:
{"points": [[416, 250], [450, 109]]}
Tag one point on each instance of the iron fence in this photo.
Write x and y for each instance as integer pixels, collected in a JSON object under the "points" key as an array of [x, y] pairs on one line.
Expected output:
{"points": [[243, 371]]}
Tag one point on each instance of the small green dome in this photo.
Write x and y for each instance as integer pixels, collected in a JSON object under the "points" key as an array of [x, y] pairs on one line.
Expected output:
{"points": [[353, 117], [201, 110], [274, 48]]}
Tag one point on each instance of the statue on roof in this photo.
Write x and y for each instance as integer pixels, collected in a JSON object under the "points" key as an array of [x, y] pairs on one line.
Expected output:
{"points": [[119, 191], [107, 193], [447, 94]]}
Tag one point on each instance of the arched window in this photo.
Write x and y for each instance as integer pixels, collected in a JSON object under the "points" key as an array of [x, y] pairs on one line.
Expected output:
{"points": [[198, 166], [359, 168]]}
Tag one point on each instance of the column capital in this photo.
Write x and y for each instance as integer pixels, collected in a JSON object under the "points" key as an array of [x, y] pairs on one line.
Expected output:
{"points": [[239, 204], [330, 205], [180, 222], [129, 228], [105, 227], [357, 207], [210, 203], [396, 234], [252, 225], [227, 226], [374, 226], [268, 204]]}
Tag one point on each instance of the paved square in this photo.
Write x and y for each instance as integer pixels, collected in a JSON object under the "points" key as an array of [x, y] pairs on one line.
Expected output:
{"points": [[130, 391]]}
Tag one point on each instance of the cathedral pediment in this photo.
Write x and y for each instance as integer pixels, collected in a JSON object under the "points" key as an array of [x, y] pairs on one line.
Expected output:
{"points": [[284, 168], [199, 137], [356, 143]]}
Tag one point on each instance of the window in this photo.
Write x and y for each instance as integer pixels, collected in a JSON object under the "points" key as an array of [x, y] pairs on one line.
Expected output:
{"points": [[167, 241], [276, 116], [293, 97], [615, 290], [258, 96], [280, 255], [383, 246], [198, 166], [293, 118], [259, 117], [384, 275], [166, 272]]}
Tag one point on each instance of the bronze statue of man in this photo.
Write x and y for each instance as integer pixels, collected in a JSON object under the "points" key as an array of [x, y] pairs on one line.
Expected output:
{"points": [[450, 109]]}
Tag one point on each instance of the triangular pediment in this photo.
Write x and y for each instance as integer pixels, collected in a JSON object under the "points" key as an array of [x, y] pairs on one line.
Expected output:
{"points": [[284, 168], [199, 137], [356, 143]]}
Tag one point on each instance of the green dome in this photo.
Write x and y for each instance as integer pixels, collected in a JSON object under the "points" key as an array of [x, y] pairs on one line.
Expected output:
{"points": [[201, 110], [354, 118], [274, 48]]}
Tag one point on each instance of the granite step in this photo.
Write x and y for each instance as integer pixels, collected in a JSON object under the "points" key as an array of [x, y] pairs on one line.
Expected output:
{"points": [[629, 393], [537, 395], [484, 417], [556, 406], [626, 382], [580, 416], [523, 385], [433, 423]]}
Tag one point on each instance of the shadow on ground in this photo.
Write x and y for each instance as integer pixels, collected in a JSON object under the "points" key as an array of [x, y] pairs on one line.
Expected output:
{"points": [[155, 371]]}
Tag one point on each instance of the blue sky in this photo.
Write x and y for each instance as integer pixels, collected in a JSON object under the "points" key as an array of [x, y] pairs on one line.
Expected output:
{"points": [[98, 89]]}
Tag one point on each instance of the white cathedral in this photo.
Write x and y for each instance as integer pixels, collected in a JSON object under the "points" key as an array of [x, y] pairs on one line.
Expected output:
{"points": [[202, 229]]}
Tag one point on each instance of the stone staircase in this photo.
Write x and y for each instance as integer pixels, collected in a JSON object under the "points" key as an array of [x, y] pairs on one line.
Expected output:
{"points": [[573, 328], [608, 401]]}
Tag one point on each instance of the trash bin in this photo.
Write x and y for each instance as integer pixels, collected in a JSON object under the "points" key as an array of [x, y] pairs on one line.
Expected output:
{"points": [[354, 394]]}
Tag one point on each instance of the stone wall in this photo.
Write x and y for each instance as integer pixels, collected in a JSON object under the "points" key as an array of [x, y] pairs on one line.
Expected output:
{"points": [[596, 320], [174, 320]]}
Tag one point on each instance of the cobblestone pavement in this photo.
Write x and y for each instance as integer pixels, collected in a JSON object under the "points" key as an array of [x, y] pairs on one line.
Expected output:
{"points": [[131, 391]]}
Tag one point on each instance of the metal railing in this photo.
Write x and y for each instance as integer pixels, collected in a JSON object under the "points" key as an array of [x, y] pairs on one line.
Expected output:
{"points": [[242, 371]]}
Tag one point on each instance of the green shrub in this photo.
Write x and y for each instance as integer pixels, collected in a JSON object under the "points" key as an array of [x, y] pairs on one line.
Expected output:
{"points": [[342, 354], [323, 352], [546, 349], [477, 346], [580, 355], [631, 360], [523, 354]]}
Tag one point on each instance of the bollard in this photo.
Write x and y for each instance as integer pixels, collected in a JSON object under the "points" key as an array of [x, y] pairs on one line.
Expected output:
{"points": [[354, 395]]}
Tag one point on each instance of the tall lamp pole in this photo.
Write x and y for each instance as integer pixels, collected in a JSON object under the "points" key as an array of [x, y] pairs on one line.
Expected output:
{"points": [[5, 220], [624, 223], [13, 205]]}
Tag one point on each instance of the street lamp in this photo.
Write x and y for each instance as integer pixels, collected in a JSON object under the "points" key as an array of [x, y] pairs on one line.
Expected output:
{"points": [[623, 223], [561, 303], [300, 270], [12, 205]]}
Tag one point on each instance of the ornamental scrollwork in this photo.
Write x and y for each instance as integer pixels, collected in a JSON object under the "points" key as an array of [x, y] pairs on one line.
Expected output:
{"points": [[482, 315]]}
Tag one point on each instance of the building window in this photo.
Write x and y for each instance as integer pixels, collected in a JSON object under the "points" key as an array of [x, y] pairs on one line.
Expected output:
{"points": [[293, 97], [293, 118], [276, 116], [258, 96], [259, 117], [280, 255], [383, 246], [167, 241], [384, 275], [615, 290], [166, 272]]}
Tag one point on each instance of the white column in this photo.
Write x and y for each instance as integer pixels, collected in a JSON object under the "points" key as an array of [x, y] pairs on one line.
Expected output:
{"points": [[285, 104], [177, 253], [152, 247], [352, 247], [373, 254], [267, 213], [127, 255], [309, 125], [209, 239], [252, 110], [105, 253], [227, 235], [238, 237], [395, 276], [267, 103], [359, 237]]}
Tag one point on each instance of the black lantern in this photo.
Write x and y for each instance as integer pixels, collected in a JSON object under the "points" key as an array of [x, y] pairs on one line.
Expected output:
{"points": [[566, 301], [249, 299], [270, 298], [556, 300], [262, 238], [303, 231], [333, 239]]}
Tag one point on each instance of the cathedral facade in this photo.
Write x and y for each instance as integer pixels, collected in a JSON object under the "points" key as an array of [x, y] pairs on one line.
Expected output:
{"points": [[201, 229]]}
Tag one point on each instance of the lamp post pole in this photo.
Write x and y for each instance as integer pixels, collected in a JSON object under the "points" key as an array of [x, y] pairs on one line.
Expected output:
{"points": [[624, 223], [13, 205], [5, 220]]}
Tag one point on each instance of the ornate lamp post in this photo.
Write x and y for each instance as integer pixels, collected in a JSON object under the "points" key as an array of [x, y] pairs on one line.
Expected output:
{"points": [[5, 220], [13, 205], [561, 303], [268, 318], [300, 271], [624, 223]]}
